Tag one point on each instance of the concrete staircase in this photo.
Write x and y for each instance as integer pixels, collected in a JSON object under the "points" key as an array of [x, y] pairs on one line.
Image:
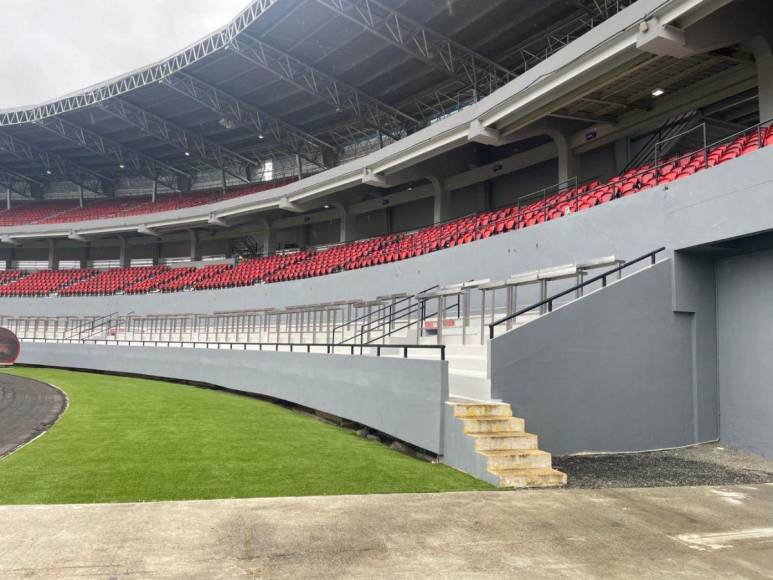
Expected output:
{"points": [[511, 453]]}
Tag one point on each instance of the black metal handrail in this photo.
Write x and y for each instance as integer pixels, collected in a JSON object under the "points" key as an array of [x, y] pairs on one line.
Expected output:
{"points": [[383, 307], [420, 319], [90, 324], [330, 348], [549, 301]]}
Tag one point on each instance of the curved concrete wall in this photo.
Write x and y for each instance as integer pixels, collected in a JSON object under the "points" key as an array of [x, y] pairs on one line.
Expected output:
{"points": [[404, 398]]}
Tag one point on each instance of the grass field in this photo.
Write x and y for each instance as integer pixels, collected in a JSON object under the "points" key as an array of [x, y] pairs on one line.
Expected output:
{"points": [[128, 439]]}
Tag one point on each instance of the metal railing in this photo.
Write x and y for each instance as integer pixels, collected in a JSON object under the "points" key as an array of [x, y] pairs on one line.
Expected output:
{"points": [[362, 349], [547, 303]]}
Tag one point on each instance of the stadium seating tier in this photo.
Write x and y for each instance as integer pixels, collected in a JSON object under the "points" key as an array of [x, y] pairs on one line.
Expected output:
{"points": [[359, 254]]}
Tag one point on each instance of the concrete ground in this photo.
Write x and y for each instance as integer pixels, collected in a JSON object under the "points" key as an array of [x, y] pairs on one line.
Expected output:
{"points": [[664, 532]]}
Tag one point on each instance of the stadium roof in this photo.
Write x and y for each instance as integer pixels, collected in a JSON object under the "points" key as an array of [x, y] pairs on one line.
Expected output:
{"points": [[325, 79]]}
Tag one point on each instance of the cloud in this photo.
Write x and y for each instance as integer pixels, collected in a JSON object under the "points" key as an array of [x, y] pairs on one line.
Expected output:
{"points": [[54, 47]]}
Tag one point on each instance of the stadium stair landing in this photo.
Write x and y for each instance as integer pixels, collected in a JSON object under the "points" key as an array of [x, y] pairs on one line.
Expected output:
{"points": [[512, 455]]}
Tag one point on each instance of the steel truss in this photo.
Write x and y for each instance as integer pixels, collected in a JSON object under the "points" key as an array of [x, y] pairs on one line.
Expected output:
{"points": [[53, 164], [431, 47], [290, 139], [343, 97], [143, 77], [125, 157], [186, 141]]}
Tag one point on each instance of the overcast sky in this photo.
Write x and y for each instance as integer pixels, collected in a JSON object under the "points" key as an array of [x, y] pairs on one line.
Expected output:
{"points": [[54, 47]]}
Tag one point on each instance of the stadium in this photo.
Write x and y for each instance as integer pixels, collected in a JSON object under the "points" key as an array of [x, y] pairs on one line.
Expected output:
{"points": [[372, 249]]}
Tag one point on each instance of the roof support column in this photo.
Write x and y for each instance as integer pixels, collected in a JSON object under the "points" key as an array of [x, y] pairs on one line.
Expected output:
{"points": [[568, 164], [347, 220], [154, 195], [124, 258], [80, 196], [268, 238], [442, 197], [53, 255], [156, 257], [10, 258], [622, 153], [8, 198], [299, 165], [195, 251], [85, 256], [763, 55]]}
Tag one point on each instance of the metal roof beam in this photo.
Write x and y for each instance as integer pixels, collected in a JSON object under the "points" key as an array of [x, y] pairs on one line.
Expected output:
{"points": [[186, 141], [338, 94], [143, 164], [145, 76], [241, 113], [428, 46], [53, 164]]}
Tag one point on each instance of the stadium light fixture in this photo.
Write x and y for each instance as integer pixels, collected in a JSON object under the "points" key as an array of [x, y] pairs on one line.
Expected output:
{"points": [[187, 153], [48, 172], [327, 206], [658, 92], [122, 166], [260, 136]]}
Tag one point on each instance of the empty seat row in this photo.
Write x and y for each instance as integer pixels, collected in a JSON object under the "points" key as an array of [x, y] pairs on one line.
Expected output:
{"points": [[371, 252]]}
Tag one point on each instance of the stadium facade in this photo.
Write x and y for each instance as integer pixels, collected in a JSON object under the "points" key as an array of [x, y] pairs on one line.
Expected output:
{"points": [[422, 217]]}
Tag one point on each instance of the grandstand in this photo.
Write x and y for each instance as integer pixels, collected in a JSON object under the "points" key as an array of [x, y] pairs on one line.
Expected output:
{"points": [[442, 221]]}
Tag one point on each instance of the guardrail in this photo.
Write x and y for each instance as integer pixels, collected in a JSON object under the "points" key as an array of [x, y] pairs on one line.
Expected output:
{"points": [[330, 348], [548, 302]]}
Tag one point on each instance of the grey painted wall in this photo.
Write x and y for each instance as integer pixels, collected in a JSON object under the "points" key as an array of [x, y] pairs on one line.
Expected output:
{"points": [[612, 371], [403, 398], [745, 344]]}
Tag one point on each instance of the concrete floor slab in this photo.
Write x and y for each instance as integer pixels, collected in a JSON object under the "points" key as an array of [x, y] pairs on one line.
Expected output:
{"points": [[687, 532]]}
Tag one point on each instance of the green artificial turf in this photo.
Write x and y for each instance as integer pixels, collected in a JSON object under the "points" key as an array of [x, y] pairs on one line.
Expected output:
{"points": [[130, 439]]}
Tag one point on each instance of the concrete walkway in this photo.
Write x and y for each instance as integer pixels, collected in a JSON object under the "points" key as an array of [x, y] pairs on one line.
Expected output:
{"points": [[702, 532]]}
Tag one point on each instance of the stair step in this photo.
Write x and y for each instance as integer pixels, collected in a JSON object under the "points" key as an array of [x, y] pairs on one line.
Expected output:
{"points": [[469, 410], [517, 459], [539, 477], [481, 425], [504, 440]]}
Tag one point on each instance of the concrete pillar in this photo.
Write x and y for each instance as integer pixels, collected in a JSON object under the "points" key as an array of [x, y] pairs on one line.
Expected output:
{"points": [[10, 261], [8, 198], [347, 221], [80, 196], [268, 239], [299, 165], [568, 164], [124, 258], [622, 153], [156, 257], [442, 197], [85, 256], [763, 55], [53, 255], [154, 195], [194, 251]]}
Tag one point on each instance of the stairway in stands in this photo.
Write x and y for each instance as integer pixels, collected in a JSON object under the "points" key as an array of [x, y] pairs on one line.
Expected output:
{"points": [[512, 454]]}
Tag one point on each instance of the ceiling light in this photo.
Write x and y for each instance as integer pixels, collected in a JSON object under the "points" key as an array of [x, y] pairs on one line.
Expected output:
{"points": [[122, 166], [187, 153], [327, 206], [48, 172], [658, 92], [260, 136]]}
